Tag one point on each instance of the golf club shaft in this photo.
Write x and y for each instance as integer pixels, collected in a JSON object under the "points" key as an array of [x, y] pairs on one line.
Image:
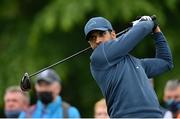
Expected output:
{"points": [[122, 32], [59, 62], [63, 60]]}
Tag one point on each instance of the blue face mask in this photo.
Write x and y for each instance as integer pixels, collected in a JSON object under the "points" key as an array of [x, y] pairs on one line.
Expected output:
{"points": [[173, 105], [12, 114]]}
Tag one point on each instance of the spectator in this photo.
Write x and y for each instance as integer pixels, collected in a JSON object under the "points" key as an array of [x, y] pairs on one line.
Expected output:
{"points": [[172, 96], [178, 100], [100, 109], [49, 103], [15, 101]]}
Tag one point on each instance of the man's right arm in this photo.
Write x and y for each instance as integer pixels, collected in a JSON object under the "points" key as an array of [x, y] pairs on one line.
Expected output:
{"points": [[122, 45]]}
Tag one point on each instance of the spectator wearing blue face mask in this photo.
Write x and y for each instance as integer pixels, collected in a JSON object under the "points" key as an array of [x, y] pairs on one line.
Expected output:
{"points": [[49, 103], [172, 97], [15, 101]]}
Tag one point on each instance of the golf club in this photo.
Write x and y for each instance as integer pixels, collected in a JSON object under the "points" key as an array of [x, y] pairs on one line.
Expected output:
{"points": [[25, 83]]}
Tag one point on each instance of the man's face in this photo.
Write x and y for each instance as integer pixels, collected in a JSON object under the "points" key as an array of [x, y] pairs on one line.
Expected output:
{"points": [[14, 101], [97, 37]]}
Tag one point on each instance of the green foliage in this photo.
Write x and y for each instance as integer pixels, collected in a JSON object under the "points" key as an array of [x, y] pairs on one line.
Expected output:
{"points": [[37, 33]]}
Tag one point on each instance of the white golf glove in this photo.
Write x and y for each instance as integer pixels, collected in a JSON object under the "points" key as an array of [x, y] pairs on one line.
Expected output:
{"points": [[143, 18]]}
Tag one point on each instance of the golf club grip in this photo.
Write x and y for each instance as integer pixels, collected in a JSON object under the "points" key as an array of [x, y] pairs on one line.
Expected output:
{"points": [[153, 17], [122, 32]]}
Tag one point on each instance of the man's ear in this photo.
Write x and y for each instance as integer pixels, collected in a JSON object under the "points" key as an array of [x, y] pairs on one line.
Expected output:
{"points": [[60, 89], [113, 34], [57, 88], [36, 87]]}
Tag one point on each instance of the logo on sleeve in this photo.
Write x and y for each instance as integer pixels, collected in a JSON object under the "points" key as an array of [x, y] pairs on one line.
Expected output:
{"points": [[137, 67]]}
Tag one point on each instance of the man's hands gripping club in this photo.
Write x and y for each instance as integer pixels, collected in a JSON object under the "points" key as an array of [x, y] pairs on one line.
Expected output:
{"points": [[147, 18]]}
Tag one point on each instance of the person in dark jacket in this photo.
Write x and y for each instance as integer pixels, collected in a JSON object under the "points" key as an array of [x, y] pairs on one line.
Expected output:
{"points": [[123, 78]]}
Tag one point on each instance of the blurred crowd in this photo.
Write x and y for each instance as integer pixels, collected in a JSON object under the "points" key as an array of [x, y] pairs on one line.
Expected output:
{"points": [[51, 105]]}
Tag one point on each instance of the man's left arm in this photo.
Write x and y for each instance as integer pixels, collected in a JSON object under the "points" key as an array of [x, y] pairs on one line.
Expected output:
{"points": [[163, 59]]}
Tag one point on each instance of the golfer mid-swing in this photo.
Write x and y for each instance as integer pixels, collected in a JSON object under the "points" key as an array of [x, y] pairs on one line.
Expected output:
{"points": [[123, 78]]}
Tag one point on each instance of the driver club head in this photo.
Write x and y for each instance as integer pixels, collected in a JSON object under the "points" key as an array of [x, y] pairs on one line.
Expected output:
{"points": [[25, 83]]}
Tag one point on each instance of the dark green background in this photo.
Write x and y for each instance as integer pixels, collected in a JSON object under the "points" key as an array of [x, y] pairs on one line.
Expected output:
{"points": [[36, 33]]}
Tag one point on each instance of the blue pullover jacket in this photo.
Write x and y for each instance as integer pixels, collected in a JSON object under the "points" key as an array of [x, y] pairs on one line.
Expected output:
{"points": [[123, 79]]}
